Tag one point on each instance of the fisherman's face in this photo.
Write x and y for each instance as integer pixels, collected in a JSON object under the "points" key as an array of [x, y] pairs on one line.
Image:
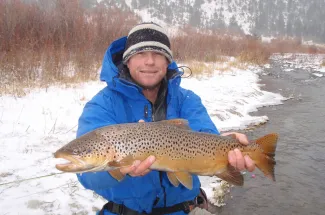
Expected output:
{"points": [[148, 68]]}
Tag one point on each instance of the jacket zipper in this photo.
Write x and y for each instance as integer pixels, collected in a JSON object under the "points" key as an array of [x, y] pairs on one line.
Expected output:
{"points": [[153, 113], [146, 115], [163, 187], [145, 111], [160, 172]]}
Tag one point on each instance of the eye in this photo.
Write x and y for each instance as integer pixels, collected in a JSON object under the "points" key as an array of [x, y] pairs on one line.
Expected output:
{"points": [[75, 151]]}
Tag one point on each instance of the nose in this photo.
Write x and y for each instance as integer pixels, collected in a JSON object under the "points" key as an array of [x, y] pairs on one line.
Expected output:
{"points": [[150, 58]]}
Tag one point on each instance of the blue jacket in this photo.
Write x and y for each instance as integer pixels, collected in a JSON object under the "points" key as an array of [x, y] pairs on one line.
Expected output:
{"points": [[121, 102]]}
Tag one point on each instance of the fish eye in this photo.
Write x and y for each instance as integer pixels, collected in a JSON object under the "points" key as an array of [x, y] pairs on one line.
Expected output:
{"points": [[75, 151]]}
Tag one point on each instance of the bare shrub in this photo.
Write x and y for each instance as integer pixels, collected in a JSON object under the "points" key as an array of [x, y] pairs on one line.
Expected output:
{"points": [[59, 42], [292, 45], [209, 47], [199, 68]]}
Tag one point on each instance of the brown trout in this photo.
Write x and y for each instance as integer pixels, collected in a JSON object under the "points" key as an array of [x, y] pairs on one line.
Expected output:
{"points": [[179, 151]]}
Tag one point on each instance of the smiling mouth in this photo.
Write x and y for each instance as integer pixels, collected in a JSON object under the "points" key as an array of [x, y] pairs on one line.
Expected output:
{"points": [[148, 72]]}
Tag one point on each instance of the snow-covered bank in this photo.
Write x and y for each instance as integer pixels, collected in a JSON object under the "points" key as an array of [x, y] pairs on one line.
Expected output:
{"points": [[33, 127], [230, 97]]}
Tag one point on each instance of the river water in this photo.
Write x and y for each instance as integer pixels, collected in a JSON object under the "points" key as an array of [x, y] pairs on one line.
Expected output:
{"points": [[300, 155]]}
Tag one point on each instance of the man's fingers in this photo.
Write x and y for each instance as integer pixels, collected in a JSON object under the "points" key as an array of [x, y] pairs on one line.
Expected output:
{"points": [[141, 120], [249, 163], [145, 172], [232, 158], [236, 159], [227, 134], [128, 169], [139, 168], [240, 161], [144, 165], [242, 138]]}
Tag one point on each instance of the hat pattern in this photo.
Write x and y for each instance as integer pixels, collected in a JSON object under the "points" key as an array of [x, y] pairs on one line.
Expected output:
{"points": [[147, 37]]}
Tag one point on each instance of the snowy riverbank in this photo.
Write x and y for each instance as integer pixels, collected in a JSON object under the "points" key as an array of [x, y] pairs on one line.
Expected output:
{"points": [[34, 126]]}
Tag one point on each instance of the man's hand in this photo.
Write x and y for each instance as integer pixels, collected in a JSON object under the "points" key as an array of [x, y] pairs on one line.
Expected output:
{"points": [[236, 158], [139, 168]]}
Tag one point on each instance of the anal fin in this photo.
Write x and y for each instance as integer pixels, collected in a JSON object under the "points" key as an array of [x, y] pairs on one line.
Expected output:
{"points": [[172, 178], [185, 179], [232, 176]]}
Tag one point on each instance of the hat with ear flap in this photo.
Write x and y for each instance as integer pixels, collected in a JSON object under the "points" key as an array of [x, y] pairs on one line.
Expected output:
{"points": [[147, 37]]}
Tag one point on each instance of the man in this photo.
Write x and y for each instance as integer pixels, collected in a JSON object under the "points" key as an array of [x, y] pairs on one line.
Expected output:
{"points": [[144, 84]]}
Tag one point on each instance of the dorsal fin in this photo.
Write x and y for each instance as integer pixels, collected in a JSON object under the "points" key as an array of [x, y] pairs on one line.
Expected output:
{"points": [[181, 123]]}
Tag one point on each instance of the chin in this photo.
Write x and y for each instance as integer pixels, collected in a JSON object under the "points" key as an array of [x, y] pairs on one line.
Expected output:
{"points": [[149, 85]]}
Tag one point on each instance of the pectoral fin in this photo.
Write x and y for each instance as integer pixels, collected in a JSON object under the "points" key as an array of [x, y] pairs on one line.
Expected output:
{"points": [[232, 176], [172, 178], [127, 161], [116, 173], [185, 178]]}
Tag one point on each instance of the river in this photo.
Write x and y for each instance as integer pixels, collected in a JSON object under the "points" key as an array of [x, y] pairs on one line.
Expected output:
{"points": [[300, 155]]}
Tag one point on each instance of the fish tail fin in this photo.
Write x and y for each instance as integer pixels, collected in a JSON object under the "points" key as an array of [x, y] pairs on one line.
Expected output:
{"points": [[266, 160]]}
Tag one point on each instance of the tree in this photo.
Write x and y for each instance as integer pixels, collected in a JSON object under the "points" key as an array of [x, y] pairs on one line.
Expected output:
{"points": [[134, 4], [233, 25], [280, 24], [218, 21], [195, 17], [298, 28], [143, 4]]}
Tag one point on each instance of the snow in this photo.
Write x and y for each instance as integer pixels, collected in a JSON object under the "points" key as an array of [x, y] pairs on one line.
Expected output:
{"points": [[322, 69], [146, 16], [240, 91], [318, 75], [266, 39], [207, 8], [35, 126]]}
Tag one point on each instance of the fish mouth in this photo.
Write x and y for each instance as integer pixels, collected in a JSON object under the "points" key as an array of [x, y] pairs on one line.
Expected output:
{"points": [[75, 164]]}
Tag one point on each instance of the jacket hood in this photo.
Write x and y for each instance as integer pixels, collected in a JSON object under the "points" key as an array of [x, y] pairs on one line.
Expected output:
{"points": [[111, 71]]}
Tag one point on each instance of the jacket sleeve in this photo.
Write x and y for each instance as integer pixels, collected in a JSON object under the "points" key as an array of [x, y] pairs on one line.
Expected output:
{"points": [[97, 113], [194, 111]]}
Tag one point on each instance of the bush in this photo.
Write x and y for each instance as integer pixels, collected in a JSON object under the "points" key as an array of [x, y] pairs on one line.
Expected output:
{"points": [[62, 42], [210, 47]]}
